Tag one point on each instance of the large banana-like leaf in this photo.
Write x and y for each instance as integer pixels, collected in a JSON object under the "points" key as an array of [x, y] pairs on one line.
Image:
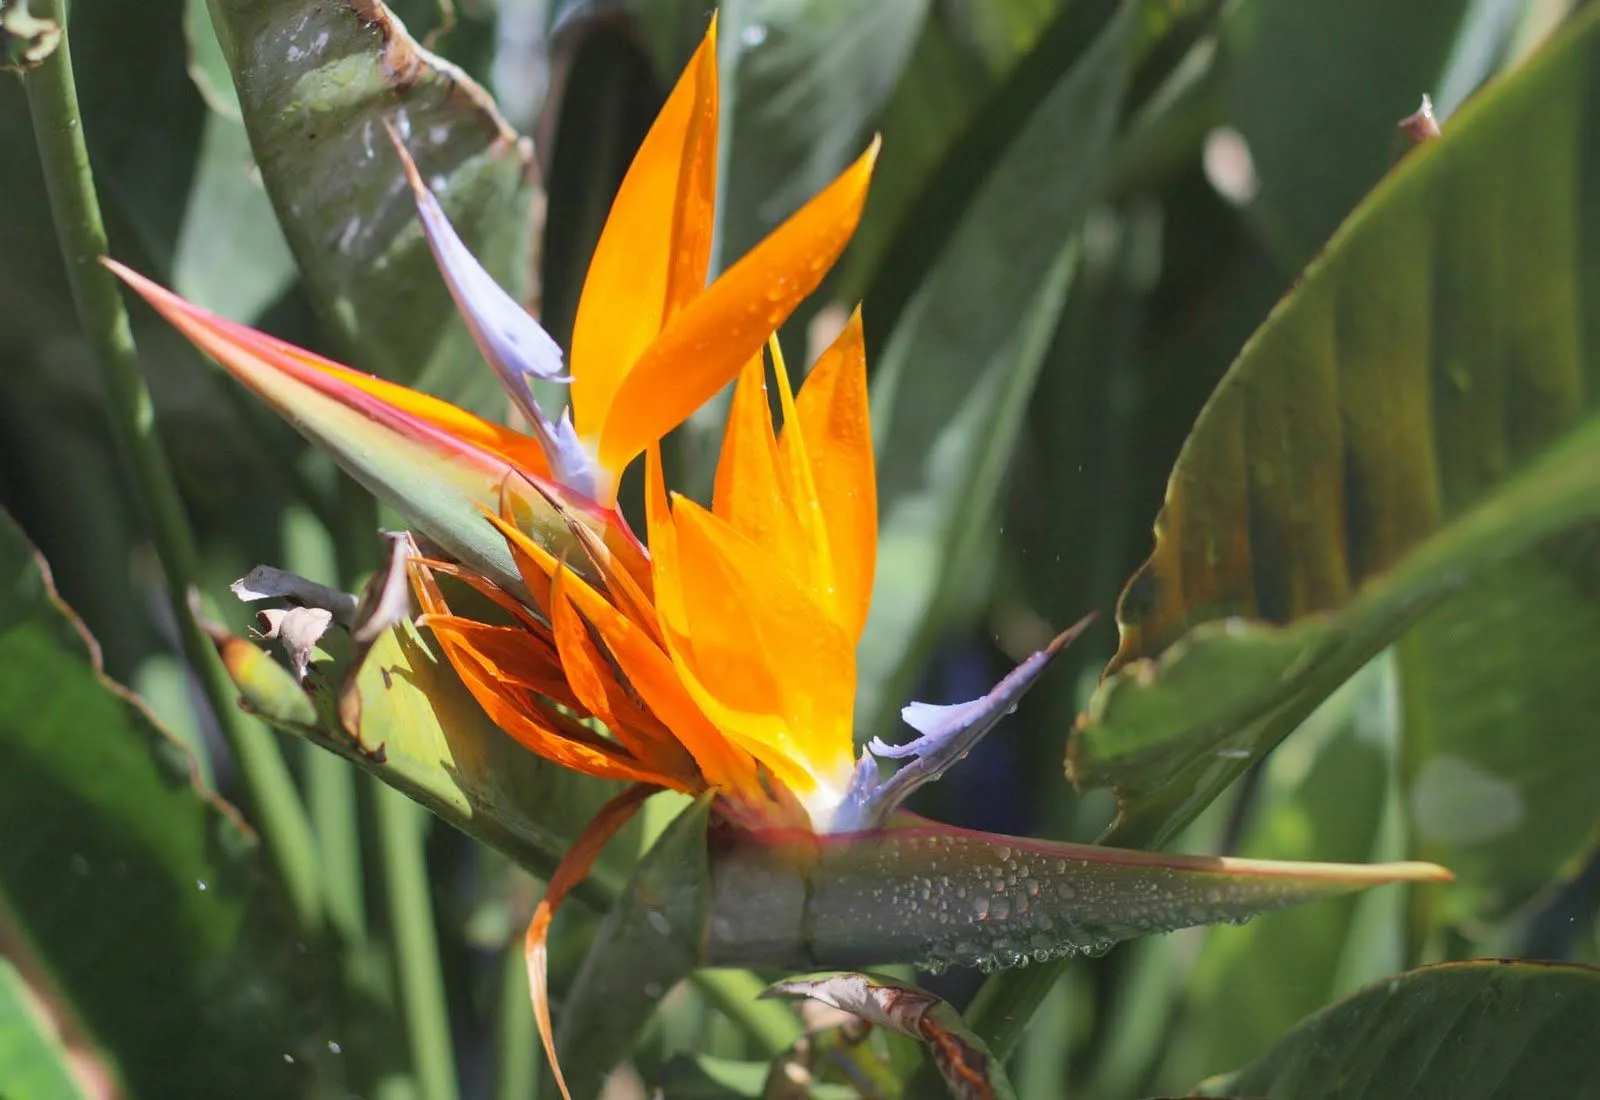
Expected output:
{"points": [[135, 903], [1412, 430], [1461, 1031], [316, 82]]}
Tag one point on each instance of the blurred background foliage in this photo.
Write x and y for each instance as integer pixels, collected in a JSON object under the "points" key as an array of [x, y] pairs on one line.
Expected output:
{"points": [[1083, 210]]}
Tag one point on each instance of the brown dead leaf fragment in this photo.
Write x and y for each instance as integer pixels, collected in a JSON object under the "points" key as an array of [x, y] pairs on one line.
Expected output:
{"points": [[25, 39], [1421, 125], [963, 1060]]}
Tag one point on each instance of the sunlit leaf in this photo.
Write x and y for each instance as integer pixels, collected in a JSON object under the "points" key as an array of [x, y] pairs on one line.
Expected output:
{"points": [[406, 717]]}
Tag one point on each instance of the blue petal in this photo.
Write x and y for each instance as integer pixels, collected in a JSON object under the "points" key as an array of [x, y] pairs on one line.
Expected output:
{"points": [[947, 734], [513, 342]]}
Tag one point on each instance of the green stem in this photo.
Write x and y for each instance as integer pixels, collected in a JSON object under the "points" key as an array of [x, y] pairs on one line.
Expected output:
{"points": [[53, 105], [517, 1037], [331, 794], [400, 835], [771, 1025]]}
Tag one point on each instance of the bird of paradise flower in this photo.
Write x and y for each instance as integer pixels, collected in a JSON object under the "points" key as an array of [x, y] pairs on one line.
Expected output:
{"points": [[717, 656]]}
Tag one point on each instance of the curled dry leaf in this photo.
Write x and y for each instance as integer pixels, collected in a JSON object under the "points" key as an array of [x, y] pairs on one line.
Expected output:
{"points": [[963, 1060], [298, 630], [25, 39]]}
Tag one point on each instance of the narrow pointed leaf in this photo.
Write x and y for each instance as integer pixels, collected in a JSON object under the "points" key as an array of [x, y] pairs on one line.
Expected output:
{"points": [[1460, 1031], [1413, 429], [936, 896], [968, 1069], [136, 898], [316, 83]]}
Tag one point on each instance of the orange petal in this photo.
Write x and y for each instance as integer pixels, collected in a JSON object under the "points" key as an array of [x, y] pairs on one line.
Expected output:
{"points": [[485, 588], [651, 673], [479, 656], [654, 250], [831, 413], [715, 334], [574, 866], [764, 646], [752, 492], [810, 531]]}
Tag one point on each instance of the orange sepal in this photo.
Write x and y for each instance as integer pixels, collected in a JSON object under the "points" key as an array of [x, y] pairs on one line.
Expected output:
{"points": [[751, 492], [594, 681]]}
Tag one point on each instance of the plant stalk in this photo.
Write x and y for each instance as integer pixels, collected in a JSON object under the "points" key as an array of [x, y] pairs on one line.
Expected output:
{"points": [[416, 947], [75, 209]]}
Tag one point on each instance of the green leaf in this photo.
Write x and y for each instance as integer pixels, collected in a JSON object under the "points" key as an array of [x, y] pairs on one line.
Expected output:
{"points": [[1318, 138], [407, 718], [1321, 796], [966, 1065], [316, 82], [1462, 1031], [803, 82], [647, 943], [138, 897], [33, 1062], [1408, 426], [954, 381], [937, 897], [229, 216]]}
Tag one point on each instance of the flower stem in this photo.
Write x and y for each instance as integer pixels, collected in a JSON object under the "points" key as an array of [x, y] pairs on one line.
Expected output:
{"points": [[401, 830], [75, 209], [517, 1038], [770, 1025]]}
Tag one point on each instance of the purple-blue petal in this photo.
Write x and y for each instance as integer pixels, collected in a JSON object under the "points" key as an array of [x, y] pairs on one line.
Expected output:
{"points": [[947, 733]]}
